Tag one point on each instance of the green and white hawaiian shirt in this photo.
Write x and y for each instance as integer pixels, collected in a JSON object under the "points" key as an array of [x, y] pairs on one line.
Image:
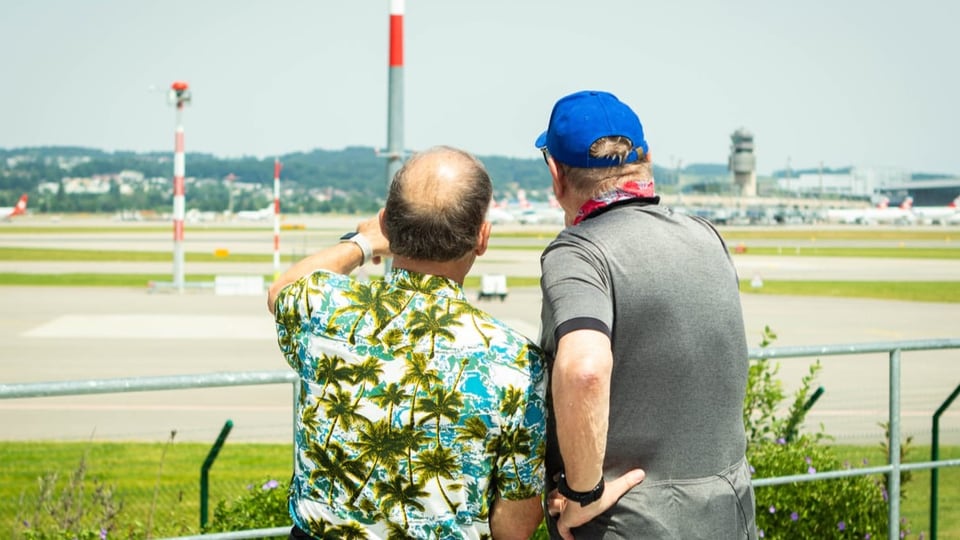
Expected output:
{"points": [[415, 408]]}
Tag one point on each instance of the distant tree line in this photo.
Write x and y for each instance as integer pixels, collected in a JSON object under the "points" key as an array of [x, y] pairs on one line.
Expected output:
{"points": [[353, 178]]}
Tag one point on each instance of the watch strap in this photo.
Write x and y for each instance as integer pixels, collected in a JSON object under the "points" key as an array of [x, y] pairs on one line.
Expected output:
{"points": [[582, 497], [362, 242]]}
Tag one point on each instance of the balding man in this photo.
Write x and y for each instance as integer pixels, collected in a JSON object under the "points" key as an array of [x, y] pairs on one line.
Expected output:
{"points": [[419, 416]]}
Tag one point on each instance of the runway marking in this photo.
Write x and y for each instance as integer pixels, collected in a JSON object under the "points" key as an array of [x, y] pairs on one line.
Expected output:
{"points": [[156, 327]]}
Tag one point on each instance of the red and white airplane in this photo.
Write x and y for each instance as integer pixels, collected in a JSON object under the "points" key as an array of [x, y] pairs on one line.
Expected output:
{"points": [[881, 213], [18, 210], [938, 214]]}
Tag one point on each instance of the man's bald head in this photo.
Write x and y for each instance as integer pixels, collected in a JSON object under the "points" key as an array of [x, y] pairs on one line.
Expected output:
{"points": [[436, 205]]}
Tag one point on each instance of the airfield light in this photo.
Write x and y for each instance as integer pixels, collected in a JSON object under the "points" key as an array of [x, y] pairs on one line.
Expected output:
{"points": [[179, 95], [276, 218]]}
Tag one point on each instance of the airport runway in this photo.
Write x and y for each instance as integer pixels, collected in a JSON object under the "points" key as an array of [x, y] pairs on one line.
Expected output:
{"points": [[56, 334]]}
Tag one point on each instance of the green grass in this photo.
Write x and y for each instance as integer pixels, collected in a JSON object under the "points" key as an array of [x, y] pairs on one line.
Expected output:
{"points": [[841, 233], [139, 473], [916, 487], [98, 280], [863, 252], [915, 291], [168, 473], [91, 255]]}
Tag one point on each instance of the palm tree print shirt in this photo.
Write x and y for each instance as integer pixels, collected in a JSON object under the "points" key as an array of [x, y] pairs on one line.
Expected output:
{"points": [[415, 407]]}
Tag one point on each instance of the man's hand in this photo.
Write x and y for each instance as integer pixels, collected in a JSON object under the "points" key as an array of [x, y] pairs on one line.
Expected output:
{"points": [[570, 514]]}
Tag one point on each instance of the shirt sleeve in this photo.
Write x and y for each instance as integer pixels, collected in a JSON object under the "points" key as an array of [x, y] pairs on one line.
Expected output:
{"points": [[521, 461], [576, 289]]}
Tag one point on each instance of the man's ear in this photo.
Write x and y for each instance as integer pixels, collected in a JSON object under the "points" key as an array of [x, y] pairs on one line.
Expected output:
{"points": [[483, 238], [556, 173]]}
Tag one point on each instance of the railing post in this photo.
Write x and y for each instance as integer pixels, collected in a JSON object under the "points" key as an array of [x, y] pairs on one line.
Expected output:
{"points": [[935, 456], [893, 481], [205, 470]]}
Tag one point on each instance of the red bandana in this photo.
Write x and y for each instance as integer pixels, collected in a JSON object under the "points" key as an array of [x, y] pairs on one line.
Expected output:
{"points": [[629, 190]]}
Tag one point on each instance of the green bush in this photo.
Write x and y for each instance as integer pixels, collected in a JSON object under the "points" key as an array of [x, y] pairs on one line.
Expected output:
{"points": [[848, 507], [263, 506]]}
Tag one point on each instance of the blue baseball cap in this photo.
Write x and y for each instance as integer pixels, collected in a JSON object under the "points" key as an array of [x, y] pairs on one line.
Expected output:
{"points": [[579, 119]]}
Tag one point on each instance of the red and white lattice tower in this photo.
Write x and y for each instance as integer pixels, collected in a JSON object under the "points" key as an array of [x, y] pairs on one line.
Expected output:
{"points": [[179, 95], [276, 217]]}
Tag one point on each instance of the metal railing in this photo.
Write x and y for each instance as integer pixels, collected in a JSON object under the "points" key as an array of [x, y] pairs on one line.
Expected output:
{"points": [[892, 469]]}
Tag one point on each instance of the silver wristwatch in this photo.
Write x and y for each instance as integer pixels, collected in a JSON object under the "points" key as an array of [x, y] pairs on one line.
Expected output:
{"points": [[361, 241]]}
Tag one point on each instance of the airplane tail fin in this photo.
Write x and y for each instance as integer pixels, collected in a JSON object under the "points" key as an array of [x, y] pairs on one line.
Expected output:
{"points": [[522, 198], [21, 207], [955, 204], [907, 203], [883, 202]]}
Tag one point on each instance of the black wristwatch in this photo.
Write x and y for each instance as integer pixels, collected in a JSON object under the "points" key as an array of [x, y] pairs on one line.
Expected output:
{"points": [[582, 497]]}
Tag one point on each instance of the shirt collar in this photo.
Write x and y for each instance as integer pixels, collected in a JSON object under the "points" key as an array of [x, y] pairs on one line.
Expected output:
{"points": [[425, 284]]}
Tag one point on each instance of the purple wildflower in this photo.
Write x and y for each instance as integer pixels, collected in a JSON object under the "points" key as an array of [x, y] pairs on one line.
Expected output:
{"points": [[841, 526], [794, 516], [103, 534], [811, 470], [866, 536], [773, 509], [781, 440], [270, 485], [760, 533], [809, 461]]}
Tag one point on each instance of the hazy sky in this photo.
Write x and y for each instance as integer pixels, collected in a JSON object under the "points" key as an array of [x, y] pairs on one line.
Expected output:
{"points": [[871, 83]]}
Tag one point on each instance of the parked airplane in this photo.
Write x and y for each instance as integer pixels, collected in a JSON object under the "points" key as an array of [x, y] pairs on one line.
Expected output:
{"points": [[498, 213], [881, 213], [937, 214], [255, 215], [18, 210], [525, 212]]}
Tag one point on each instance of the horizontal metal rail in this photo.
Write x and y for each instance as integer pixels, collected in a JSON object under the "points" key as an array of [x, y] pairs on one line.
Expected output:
{"points": [[893, 348], [143, 384]]}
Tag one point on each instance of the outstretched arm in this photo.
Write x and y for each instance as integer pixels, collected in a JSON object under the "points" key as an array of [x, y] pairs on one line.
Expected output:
{"points": [[341, 258]]}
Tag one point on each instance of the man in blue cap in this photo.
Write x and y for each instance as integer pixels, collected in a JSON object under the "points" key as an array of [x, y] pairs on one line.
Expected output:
{"points": [[643, 328]]}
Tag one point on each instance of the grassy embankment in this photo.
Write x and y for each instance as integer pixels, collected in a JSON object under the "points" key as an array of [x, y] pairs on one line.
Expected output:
{"points": [[161, 480]]}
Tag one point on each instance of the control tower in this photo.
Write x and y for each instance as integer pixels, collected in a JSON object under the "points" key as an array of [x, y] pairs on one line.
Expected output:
{"points": [[743, 162]]}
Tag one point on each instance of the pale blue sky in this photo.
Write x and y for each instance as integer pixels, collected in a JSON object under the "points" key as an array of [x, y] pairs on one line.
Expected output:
{"points": [[870, 83]]}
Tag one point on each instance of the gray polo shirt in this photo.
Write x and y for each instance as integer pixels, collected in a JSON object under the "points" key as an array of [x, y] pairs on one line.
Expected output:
{"points": [[663, 287]]}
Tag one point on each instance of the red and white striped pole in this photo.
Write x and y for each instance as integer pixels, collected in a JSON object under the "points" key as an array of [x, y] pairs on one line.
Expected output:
{"points": [[276, 218], [395, 100], [180, 92]]}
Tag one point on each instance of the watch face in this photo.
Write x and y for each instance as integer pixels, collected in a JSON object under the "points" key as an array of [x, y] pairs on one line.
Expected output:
{"points": [[349, 235]]}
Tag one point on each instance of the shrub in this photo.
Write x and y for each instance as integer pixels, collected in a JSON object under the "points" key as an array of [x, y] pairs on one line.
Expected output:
{"points": [[848, 507], [263, 506]]}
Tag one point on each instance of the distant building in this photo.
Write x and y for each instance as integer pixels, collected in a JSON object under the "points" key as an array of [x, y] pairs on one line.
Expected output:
{"points": [[858, 182]]}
